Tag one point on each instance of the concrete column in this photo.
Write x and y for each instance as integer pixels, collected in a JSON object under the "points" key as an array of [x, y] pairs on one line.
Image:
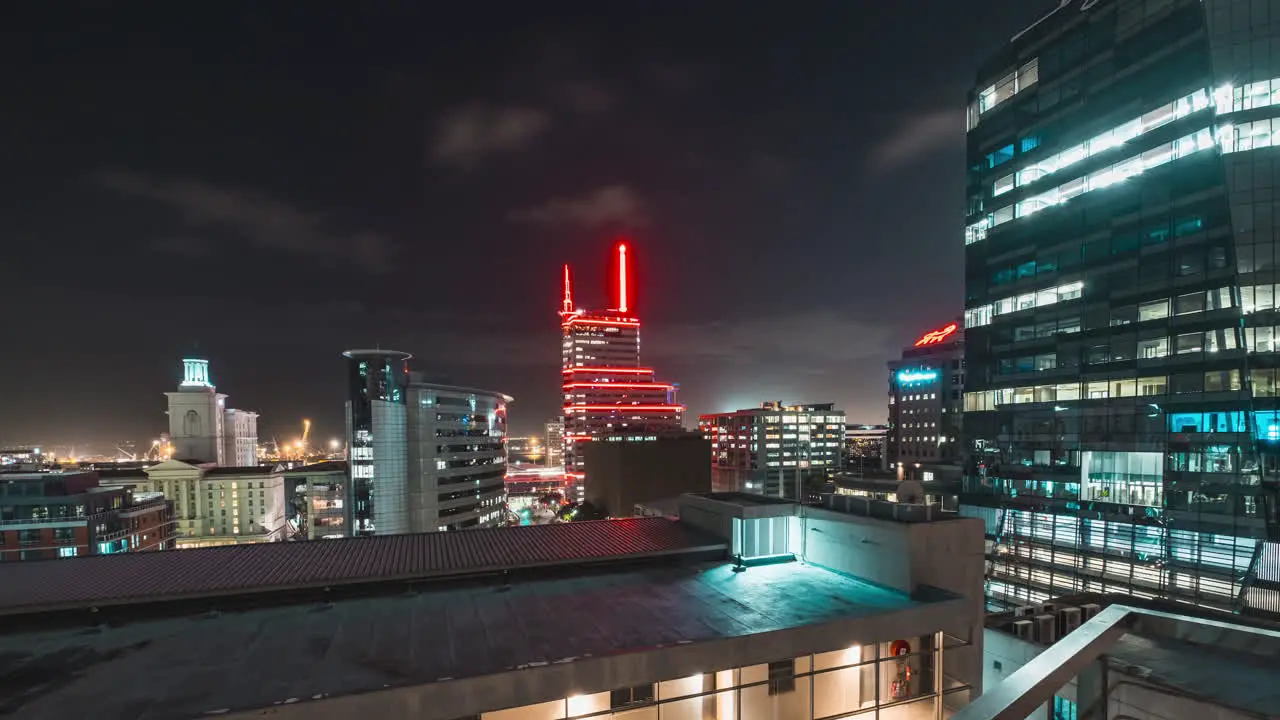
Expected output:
{"points": [[1091, 691]]}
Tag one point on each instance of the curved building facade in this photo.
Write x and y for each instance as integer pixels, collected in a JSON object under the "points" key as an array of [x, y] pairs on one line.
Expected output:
{"points": [[457, 457], [377, 381]]}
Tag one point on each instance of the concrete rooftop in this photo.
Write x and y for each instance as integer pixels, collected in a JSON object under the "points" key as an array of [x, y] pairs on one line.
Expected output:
{"points": [[183, 667], [1221, 675]]}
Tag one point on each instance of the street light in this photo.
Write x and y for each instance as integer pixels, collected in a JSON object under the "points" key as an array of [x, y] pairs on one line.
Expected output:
{"points": [[334, 444]]}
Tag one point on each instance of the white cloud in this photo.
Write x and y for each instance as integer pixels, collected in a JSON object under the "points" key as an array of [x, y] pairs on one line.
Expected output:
{"points": [[467, 134], [919, 136], [605, 206]]}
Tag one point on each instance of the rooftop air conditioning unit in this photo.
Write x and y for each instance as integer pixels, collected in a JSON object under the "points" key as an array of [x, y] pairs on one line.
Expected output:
{"points": [[1024, 611], [1048, 608], [1068, 620], [1025, 630], [1089, 610], [1046, 629]]}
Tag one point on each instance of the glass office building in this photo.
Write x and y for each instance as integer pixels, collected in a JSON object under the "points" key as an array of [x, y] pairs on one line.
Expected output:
{"points": [[377, 445], [1122, 427]]}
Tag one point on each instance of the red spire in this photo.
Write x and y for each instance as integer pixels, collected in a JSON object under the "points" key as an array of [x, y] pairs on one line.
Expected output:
{"points": [[566, 306]]}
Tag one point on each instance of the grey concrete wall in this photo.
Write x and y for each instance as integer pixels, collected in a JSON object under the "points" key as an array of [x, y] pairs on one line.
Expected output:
{"points": [[904, 556], [707, 515], [875, 550], [951, 555]]}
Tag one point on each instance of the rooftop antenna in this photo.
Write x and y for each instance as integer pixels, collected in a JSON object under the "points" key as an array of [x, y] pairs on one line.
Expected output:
{"points": [[566, 305]]}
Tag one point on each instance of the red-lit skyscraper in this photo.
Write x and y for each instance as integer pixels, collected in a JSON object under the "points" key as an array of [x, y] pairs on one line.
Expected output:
{"points": [[607, 392]]}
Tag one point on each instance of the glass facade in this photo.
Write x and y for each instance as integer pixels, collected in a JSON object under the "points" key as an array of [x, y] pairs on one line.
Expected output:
{"points": [[1122, 421], [377, 453], [890, 681]]}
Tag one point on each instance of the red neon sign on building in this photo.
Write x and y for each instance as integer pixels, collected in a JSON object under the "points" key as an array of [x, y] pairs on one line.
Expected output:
{"points": [[933, 337]]}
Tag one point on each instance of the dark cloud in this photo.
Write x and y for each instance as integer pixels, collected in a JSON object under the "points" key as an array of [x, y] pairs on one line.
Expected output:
{"points": [[678, 77], [466, 135], [769, 169], [252, 217], [609, 206], [587, 97], [780, 342]]}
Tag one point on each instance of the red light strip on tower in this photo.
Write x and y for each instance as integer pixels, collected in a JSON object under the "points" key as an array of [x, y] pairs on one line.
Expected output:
{"points": [[622, 277], [580, 320], [622, 408], [646, 386], [607, 370]]}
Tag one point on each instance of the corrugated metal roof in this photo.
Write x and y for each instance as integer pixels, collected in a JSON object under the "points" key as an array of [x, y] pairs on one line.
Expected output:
{"points": [[138, 577]]}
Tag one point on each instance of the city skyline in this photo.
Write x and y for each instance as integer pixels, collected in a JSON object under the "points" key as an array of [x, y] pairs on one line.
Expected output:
{"points": [[976, 310], [252, 199]]}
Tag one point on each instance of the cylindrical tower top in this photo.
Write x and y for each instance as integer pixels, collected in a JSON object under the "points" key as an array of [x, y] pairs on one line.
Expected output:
{"points": [[363, 353]]}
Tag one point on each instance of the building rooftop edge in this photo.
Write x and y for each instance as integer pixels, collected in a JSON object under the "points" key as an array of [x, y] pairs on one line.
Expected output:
{"points": [[375, 352], [459, 388]]}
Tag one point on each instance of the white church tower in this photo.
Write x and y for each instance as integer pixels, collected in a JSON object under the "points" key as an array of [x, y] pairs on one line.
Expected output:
{"points": [[196, 416]]}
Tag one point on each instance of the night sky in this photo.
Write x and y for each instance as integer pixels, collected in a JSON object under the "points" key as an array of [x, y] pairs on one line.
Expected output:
{"points": [[268, 184]]}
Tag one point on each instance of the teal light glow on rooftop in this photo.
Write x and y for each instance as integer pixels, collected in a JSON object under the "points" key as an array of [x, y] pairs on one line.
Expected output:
{"points": [[195, 373]]}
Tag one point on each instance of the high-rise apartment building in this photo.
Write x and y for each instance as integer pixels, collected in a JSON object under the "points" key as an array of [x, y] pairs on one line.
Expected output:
{"points": [[607, 392], [775, 449], [423, 456], [203, 428], [925, 402], [1121, 399]]}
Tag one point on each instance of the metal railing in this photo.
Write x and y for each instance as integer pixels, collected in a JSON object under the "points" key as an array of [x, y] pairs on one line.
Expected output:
{"points": [[1035, 683]]}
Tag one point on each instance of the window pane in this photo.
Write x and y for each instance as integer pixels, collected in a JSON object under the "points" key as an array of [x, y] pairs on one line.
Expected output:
{"points": [[1153, 310]]}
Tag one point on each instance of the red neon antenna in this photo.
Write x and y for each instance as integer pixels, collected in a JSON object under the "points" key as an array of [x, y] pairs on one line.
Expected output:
{"points": [[566, 306], [622, 277]]}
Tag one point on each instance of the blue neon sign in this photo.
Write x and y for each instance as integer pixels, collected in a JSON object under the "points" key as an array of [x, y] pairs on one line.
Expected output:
{"points": [[910, 376]]}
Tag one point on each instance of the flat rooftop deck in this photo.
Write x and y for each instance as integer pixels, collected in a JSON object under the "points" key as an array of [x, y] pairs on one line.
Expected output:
{"points": [[186, 667]]}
